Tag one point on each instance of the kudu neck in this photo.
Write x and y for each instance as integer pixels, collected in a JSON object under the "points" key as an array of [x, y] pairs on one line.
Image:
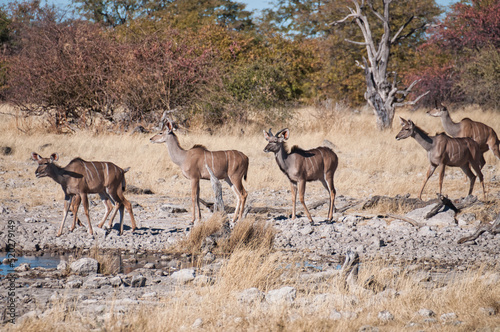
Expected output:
{"points": [[56, 173], [282, 156], [423, 138], [176, 152], [451, 127]]}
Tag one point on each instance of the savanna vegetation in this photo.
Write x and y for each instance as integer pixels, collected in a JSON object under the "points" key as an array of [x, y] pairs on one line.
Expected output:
{"points": [[122, 63], [92, 71]]}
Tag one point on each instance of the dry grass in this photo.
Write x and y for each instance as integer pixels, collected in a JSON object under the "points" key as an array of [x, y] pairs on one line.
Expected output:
{"points": [[370, 162], [219, 307]]}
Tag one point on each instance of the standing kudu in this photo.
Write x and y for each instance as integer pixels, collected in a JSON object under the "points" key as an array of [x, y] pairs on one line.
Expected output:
{"points": [[230, 165], [443, 151], [301, 166], [484, 135], [80, 178]]}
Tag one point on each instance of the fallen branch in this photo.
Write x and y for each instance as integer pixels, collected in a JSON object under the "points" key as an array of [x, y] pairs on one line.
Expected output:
{"points": [[493, 228], [408, 220], [443, 201]]}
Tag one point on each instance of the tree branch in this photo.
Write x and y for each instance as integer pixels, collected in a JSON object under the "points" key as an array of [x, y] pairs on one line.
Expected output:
{"points": [[395, 38]]}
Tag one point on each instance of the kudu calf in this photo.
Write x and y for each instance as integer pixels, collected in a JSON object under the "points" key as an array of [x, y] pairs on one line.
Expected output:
{"points": [[484, 135], [230, 165], [443, 151], [80, 178], [301, 166]]}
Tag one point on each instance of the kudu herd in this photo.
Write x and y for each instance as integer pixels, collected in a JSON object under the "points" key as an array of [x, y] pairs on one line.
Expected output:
{"points": [[443, 151], [79, 178]]}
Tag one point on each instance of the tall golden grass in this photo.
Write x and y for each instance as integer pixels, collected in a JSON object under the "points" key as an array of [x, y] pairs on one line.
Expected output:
{"points": [[370, 162]]}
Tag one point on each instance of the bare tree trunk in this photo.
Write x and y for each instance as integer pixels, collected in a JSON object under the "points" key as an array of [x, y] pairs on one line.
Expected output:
{"points": [[383, 95]]}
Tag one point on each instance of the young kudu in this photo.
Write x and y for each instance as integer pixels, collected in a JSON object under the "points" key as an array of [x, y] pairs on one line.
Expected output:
{"points": [[484, 135], [301, 166], [443, 151], [80, 178], [230, 165]]}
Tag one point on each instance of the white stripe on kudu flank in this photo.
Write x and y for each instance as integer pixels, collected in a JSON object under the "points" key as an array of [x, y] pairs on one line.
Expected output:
{"points": [[88, 172], [96, 171]]}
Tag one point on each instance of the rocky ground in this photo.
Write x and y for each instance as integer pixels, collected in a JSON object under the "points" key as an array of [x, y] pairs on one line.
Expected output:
{"points": [[147, 272]]}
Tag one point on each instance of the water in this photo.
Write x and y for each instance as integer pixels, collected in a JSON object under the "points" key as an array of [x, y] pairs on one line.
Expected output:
{"points": [[48, 262]]}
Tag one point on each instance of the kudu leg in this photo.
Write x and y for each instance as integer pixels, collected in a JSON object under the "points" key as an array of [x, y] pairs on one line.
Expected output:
{"points": [[329, 186], [441, 178], [302, 190], [127, 205], [241, 197], [85, 202], [477, 169], [75, 204], [195, 199], [67, 205], [493, 145], [106, 200], [294, 198], [430, 171]]}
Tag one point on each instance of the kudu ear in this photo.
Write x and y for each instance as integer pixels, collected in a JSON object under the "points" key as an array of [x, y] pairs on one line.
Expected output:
{"points": [[169, 125], [285, 133], [402, 121], [54, 157], [266, 135], [35, 156]]}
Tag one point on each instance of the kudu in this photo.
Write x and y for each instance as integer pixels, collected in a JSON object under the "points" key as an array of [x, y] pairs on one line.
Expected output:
{"points": [[80, 178], [230, 165], [443, 151], [484, 135], [301, 166]]}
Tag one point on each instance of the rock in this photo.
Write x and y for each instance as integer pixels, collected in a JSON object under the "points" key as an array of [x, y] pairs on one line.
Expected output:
{"points": [[149, 266], [183, 276], [488, 311], [62, 266], [198, 323], [149, 295], [335, 315], [385, 316], [250, 296], [426, 313], [448, 317], [138, 281], [445, 217], [74, 284], [84, 266], [427, 232], [368, 328], [172, 208], [22, 267], [203, 280], [282, 295], [116, 281]]}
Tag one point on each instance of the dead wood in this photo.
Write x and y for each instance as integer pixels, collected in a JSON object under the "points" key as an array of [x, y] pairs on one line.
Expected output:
{"points": [[397, 203], [493, 228], [442, 201], [408, 220]]}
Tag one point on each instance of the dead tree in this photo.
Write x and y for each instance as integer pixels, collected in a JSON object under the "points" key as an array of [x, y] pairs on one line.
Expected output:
{"points": [[381, 93]]}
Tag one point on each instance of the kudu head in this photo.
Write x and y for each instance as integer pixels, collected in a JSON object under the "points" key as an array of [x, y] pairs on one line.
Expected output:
{"points": [[438, 110], [276, 141], [44, 164], [407, 130], [166, 129]]}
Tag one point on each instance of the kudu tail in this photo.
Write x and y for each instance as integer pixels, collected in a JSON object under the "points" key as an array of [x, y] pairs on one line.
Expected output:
{"points": [[124, 183]]}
